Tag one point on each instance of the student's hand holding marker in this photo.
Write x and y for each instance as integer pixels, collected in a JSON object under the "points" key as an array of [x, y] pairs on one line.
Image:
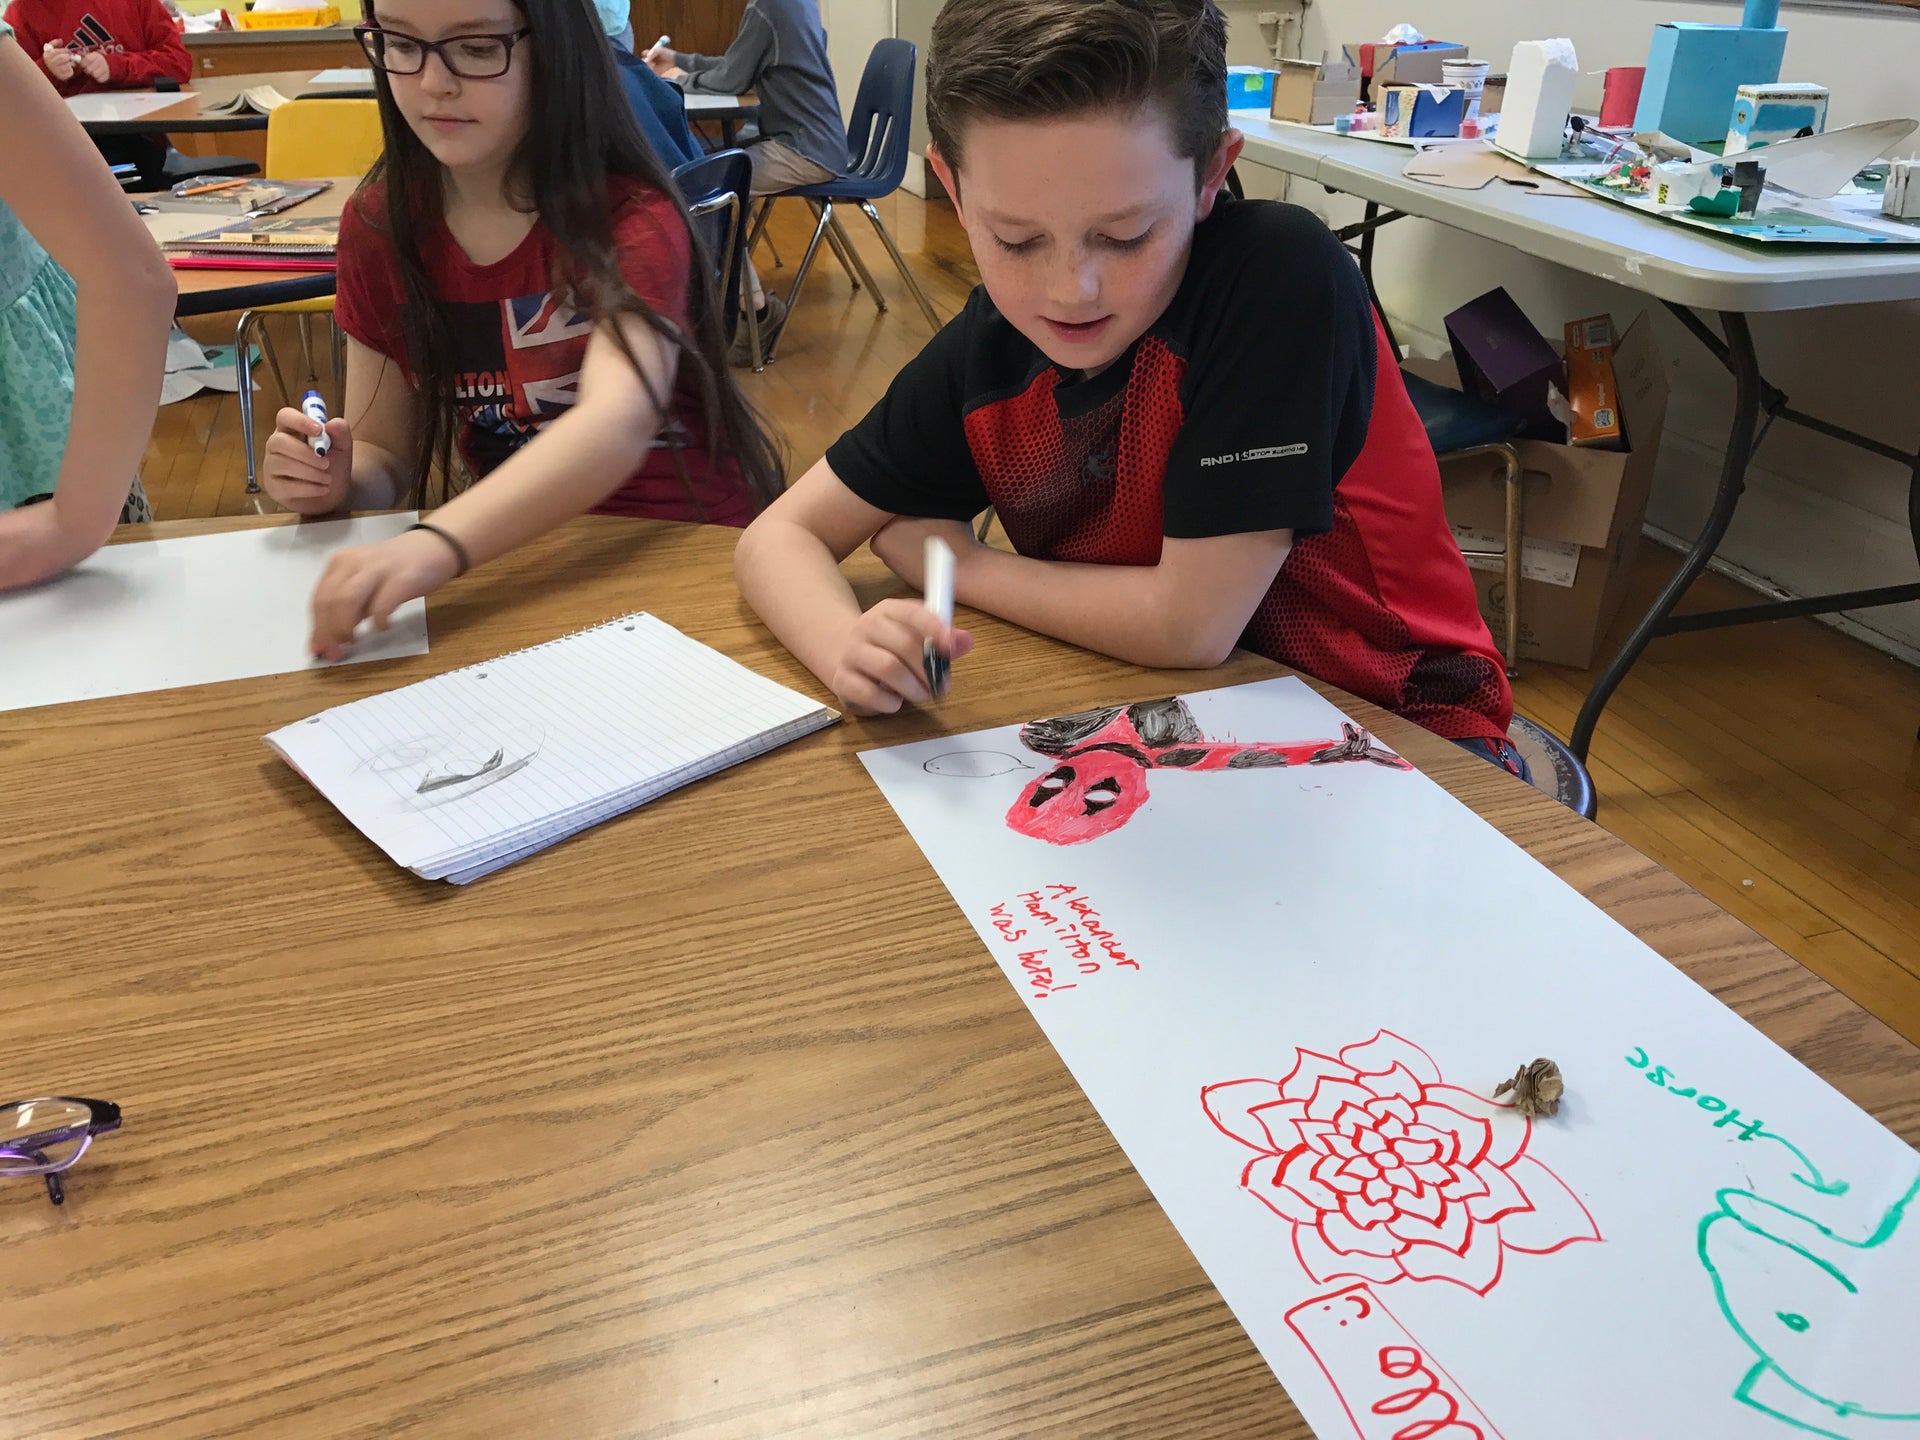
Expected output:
{"points": [[899, 652], [58, 61], [882, 663], [93, 65], [302, 474], [660, 60]]}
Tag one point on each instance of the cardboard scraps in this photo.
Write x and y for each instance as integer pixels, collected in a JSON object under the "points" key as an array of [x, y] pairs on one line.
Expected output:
{"points": [[1473, 167]]}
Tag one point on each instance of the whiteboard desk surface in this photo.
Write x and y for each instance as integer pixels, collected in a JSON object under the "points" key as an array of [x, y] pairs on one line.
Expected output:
{"points": [[718, 1120], [1667, 262]]}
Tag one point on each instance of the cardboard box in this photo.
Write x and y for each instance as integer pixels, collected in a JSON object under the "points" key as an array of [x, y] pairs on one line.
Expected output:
{"points": [[1768, 114], [1594, 500], [1502, 358], [1694, 72], [1315, 92], [1422, 112], [1407, 64], [1593, 399], [1249, 87], [1493, 95]]}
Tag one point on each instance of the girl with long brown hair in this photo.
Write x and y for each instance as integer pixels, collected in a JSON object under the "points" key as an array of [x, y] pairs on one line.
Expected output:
{"points": [[524, 301]]}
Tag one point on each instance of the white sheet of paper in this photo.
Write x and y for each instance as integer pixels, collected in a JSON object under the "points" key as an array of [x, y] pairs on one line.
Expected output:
{"points": [[119, 105], [168, 613], [363, 76], [696, 104], [1289, 993]]}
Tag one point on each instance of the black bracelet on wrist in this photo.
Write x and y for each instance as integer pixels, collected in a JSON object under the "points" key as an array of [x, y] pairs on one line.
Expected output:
{"points": [[459, 551]]}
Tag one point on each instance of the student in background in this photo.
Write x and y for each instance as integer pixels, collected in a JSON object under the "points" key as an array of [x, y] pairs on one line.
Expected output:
{"points": [[86, 305], [659, 107], [1179, 405], [518, 283], [779, 53], [88, 45]]}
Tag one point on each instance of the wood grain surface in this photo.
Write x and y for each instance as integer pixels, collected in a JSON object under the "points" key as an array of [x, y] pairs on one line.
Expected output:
{"points": [[717, 1120]]}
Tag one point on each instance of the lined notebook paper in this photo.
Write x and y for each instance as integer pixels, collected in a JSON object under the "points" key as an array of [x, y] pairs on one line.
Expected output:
{"points": [[462, 774]]}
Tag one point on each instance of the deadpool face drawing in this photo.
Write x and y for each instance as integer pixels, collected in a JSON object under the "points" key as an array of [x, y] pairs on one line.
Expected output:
{"points": [[1102, 759]]}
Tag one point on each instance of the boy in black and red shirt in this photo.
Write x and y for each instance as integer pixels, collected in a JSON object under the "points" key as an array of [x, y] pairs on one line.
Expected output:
{"points": [[1180, 406]]}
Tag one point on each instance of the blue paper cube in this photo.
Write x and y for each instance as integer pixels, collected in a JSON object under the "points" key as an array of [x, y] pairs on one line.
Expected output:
{"points": [[1694, 72]]}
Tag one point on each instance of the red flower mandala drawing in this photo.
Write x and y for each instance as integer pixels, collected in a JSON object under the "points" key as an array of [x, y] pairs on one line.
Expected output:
{"points": [[1387, 1173]]}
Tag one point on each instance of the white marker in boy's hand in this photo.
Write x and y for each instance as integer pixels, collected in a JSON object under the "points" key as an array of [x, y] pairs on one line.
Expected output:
{"points": [[939, 593], [315, 410]]}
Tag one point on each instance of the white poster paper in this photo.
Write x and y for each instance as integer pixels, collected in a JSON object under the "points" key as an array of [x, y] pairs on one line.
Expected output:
{"points": [[1290, 975], [168, 613]]}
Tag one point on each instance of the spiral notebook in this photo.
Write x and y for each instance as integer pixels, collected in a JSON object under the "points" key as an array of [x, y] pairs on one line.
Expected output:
{"points": [[457, 776]]}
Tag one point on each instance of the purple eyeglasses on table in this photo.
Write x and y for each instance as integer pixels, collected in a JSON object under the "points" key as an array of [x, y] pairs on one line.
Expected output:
{"points": [[44, 1137]]}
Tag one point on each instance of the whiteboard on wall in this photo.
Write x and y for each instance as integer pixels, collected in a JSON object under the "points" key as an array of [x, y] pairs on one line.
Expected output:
{"points": [[1289, 973]]}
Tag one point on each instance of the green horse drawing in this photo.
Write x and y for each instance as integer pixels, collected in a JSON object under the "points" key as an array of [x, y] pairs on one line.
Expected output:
{"points": [[1834, 1321]]}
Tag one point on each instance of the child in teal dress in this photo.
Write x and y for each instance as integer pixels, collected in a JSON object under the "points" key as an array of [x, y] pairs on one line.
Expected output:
{"points": [[79, 377]]}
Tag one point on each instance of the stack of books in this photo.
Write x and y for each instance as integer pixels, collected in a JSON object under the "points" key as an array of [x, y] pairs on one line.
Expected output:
{"points": [[255, 237]]}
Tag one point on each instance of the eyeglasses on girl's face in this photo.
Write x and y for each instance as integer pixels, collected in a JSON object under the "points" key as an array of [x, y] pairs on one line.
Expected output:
{"points": [[47, 1136], [471, 57]]}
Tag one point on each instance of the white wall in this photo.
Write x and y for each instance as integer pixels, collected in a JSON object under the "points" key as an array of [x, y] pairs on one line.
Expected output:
{"points": [[853, 26], [1817, 515]]}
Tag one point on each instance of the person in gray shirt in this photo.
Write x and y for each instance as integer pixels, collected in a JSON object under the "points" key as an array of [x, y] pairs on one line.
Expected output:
{"points": [[780, 53]]}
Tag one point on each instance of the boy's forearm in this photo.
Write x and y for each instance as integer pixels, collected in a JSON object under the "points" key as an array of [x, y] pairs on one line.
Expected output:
{"points": [[1126, 611], [794, 585]]}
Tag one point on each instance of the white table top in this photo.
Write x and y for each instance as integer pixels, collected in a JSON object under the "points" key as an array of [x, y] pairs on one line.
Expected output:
{"points": [[701, 104], [1668, 262]]}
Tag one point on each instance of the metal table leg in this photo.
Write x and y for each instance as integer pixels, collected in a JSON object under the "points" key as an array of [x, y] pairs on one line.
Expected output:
{"points": [[1745, 365]]}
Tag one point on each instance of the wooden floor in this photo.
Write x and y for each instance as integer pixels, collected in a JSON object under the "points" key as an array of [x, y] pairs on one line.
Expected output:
{"points": [[1773, 767]]}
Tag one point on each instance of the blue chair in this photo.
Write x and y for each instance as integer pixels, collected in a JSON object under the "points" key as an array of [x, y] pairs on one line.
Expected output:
{"points": [[876, 161], [1465, 427], [1557, 771], [716, 187]]}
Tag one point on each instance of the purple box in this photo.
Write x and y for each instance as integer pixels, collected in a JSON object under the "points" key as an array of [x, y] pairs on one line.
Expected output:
{"points": [[1502, 358]]}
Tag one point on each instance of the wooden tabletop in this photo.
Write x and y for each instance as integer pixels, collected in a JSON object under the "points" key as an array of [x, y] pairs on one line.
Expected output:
{"points": [[187, 117], [204, 292], [716, 1120]]}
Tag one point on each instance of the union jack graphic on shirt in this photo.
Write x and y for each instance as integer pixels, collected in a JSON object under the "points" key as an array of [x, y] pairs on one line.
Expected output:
{"points": [[520, 365]]}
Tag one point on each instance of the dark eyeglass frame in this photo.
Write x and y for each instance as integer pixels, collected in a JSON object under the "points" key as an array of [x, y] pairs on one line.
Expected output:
{"points": [[374, 48], [103, 1119]]}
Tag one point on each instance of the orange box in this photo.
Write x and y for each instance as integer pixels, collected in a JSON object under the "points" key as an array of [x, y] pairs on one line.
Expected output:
{"points": [[1593, 396]]}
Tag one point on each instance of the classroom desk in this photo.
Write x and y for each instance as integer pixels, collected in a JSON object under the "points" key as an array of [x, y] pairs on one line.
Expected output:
{"points": [[1686, 270], [715, 1120], [725, 110], [211, 292], [185, 116]]}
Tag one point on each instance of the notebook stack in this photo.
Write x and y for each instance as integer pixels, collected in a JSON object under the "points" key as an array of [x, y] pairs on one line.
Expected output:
{"points": [[457, 776]]}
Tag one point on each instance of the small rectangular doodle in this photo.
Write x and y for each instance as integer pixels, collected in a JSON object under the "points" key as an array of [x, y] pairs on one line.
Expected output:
{"points": [[1390, 1387]]}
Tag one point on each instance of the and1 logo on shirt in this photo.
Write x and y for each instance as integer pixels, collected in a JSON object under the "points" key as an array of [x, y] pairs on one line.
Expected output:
{"points": [[1266, 452], [526, 355]]}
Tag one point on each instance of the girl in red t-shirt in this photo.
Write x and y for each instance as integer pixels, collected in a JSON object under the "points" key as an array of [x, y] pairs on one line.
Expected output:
{"points": [[518, 281]]}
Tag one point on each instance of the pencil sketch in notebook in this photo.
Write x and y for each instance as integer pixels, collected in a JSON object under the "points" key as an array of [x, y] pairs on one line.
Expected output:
{"points": [[1236, 978], [463, 773], [438, 769]]}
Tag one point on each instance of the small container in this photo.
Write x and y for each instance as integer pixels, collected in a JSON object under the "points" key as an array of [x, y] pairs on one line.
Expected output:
{"points": [[1467, 75]]}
